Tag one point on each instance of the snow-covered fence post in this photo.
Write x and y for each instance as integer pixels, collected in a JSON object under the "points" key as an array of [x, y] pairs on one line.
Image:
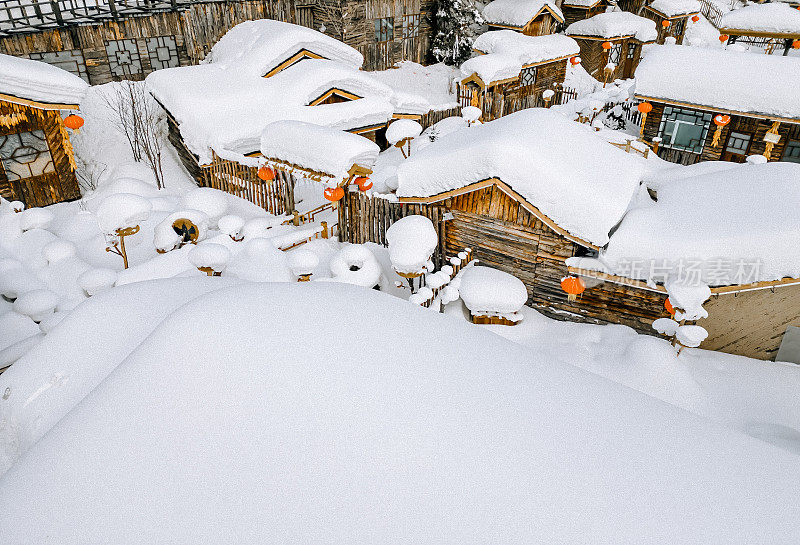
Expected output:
{"points": [[210, 258], [401, 132], [685, 303], [412, 241], [119, 216]]}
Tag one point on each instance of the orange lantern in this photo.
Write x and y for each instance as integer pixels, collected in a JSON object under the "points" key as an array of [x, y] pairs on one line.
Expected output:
{"points": [[573, 286], [796, 44], [266, 173], [665, 24], [363, 183], [575, 60], [669, 307], [333, 194], [722, 120], [606, 45], [644, 107], [74, 122], [723, 38], [695, 18]]}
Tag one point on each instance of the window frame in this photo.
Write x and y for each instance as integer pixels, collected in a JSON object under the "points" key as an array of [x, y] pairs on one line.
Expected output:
{"points": [[671, 115], [416, 18], [13, 175], [529, 70], [384, 29], [794, 146]]}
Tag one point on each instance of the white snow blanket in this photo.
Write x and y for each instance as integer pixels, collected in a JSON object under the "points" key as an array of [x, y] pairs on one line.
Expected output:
{"points": [[615, 24], [675, 8], [576, 178], [722, 79], [580, 3], [492, 68], [770, 18], [733, 226], [279, 431], [418, 89], [485, 290], [39, 81], [518, 13], [526, 49], [228, 109], [329, 151], [256, 47]]}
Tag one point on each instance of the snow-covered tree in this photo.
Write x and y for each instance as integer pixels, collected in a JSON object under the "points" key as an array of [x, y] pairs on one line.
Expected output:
{"points": [[457, 24]]}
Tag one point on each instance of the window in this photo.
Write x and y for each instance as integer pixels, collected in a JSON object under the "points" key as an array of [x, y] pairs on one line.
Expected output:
{"points": [[792, 152], [123, 58], [738, 143], [384, 29], [25, 155], [631, 51], [527, 76], [615, 53], [70, 60], [163, 52], [677, 27], [684, 129], [411, 26]]}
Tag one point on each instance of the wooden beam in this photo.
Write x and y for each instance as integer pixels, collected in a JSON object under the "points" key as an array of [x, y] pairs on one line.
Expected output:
{"points": [[334, 91], [36, 104], [759, 34], [297, 57], [646, 98]]}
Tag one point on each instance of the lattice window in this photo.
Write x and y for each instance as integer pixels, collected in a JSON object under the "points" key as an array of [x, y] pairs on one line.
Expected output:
{"points": [[738, 143], [615, 53], [792, 152], [684, 129], [678, 26], [70, 60], [123, 58], [163, 52], [384, 29], [631, 51], [25, 155], [411, 26], [527, 76]]}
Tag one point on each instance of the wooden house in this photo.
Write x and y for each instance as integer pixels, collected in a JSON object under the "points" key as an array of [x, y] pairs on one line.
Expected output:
{"points": [[773, 27], [611, 43], [672, 17], [720, 105], [530, 17], [578, 10], [106, 40], [512, 70], [37, 165]]}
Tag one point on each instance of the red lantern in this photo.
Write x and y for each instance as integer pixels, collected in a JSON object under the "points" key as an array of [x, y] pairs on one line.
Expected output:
{"points": [[669, 307], [333, 194], [74, 122], [573, 286], [695, 18], [363, 183], [722, 120], [796, 44], [665, 24], [723, 38], [645, 107], [606, 45], [266, 173], [575, 61]]}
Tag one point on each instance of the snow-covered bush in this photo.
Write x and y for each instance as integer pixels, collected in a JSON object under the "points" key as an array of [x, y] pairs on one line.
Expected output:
{"points": [[94, 281], [210, 258], [35, 218], [356, 264], [258, 227], [303, 263], [37, 304], [58, 250], [122, 211], [166, 237], [691, 335], [412, 240], [491, 292], [666, 326], [212, 202], [231, 225]]}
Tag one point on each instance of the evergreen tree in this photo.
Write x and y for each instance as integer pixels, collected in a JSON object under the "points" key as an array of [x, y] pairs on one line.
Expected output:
{"points": [[457, 23]]}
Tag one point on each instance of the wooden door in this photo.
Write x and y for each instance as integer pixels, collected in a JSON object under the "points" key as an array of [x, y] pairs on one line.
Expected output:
{"points": [[737, 147]]}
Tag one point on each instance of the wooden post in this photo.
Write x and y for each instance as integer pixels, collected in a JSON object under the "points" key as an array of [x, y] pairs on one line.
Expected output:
{"points": [[324, 229], [628, 146], [295, 218]]}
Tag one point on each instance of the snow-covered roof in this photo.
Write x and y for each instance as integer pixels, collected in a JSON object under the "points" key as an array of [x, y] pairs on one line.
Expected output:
{"points": [[419, 89], [675, 8], [257, 47], [615, 24], [492, 68], [578, 180], [580, 3], [770, 18], [718, 78], [518, 13], [526, 49], [39, 82], [316, 148], [227, 109], [744, 215]]}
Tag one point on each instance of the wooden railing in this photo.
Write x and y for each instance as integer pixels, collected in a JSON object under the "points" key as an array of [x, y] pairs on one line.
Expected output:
{"points": [[712, 12], [630, 148], [457, 264], [276, 197]]}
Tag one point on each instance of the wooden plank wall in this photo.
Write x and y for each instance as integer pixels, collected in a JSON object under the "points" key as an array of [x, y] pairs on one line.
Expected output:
{"points": [[515, 97], [276, 197], [594, 58]]}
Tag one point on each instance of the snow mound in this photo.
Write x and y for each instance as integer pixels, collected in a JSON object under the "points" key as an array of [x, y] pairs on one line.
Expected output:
{"points": [[356, 264], [303, 262], [35, 218], [36, 304], [210, 255], [59, 250], [487, 291], [212, 202], [122, 211], [94, 281], [234, 435], [411, 240]]}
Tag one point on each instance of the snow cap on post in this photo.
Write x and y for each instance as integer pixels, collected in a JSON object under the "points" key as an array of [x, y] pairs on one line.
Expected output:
{"points": [[122, 211], [209, 256], [485, 290], [402, 129], [412, 240]]}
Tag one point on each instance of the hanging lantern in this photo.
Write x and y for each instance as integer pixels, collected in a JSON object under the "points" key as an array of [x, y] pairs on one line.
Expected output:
{"points": [[668, 306], [695, 18], [333, 194], [266, 173], [363, 183], [606, 45], [796, 44], [723, 38], [74, 122], [720, 121], [573, 286], [644, 108], [575, 60], [665, 24]]}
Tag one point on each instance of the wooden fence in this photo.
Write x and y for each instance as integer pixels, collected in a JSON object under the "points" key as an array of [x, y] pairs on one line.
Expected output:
{"points": [[366, 219], [498, 104], [276, 197], [434, 117]]}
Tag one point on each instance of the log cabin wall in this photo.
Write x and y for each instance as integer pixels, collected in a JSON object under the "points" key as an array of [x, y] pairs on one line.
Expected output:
{"points": [[511, 97], [132, 47], [60, 184], [594, 58]]}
